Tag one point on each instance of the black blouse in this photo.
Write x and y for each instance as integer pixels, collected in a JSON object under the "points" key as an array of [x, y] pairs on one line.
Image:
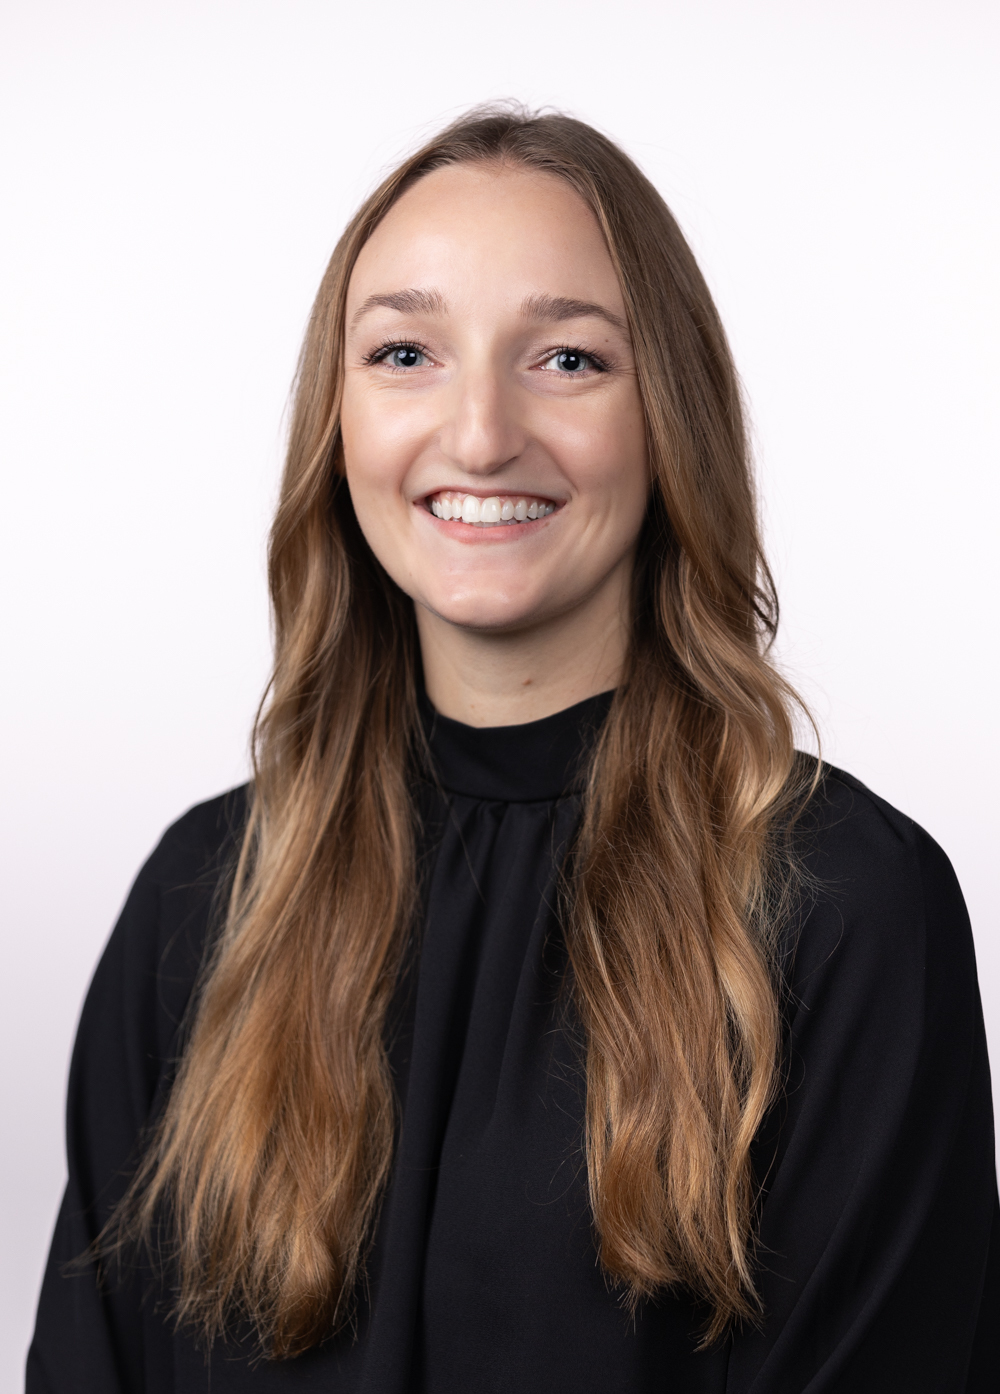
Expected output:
{"points": [[876, 1263]]}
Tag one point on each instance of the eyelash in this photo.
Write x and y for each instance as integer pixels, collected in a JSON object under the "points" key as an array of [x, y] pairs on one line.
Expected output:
{"points": [[377, 355], [598, 364], [385, 349]]}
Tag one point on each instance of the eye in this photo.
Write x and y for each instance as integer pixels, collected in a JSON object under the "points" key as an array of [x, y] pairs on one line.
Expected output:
{"points": [[399, 356], [571, 362]]}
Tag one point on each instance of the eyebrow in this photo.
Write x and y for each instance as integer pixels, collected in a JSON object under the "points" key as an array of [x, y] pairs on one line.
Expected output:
{"points": [[407, 302], [553, 308], [560, 307]]}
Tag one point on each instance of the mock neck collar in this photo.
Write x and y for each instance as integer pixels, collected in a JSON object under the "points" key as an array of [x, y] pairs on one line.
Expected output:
{"points": [[514, 764]]}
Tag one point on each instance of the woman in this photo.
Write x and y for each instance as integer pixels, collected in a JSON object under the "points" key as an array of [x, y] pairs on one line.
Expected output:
{"points": [[537, 1019]]}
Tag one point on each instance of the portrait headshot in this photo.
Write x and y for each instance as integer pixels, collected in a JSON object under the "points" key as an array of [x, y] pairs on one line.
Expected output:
{"points": [[501, 601]]}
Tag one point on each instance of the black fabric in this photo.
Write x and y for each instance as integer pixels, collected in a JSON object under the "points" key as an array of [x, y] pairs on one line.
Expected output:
{"points": [[876, 1264]]}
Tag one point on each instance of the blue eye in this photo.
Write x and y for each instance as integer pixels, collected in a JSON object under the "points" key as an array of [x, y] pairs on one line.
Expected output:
{"points": [[570, 362], [404, 356]]}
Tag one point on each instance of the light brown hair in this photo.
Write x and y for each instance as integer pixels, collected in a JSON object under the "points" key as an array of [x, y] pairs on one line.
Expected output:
{"points": [[277, 1139]]}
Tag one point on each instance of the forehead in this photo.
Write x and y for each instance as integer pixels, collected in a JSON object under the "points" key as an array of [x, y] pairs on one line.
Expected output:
{"points": [[475, 232]]}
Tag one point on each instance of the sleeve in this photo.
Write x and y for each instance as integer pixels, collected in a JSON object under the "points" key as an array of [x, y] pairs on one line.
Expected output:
{"points": [[88, 1334], [104, 1333], [876, 1266]]}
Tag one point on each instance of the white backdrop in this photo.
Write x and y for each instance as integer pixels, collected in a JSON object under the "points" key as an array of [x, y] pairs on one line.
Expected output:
{"points": [[174, 176]]}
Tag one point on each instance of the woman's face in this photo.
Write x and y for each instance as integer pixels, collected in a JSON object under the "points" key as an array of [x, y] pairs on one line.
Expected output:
{"points": [[493, 434]]}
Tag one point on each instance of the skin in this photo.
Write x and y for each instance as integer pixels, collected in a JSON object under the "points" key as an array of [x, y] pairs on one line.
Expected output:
{"points": [[515, 622]]}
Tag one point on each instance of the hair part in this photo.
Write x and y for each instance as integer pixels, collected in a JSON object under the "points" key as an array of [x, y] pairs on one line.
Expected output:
{"points": [[268, 1164]]}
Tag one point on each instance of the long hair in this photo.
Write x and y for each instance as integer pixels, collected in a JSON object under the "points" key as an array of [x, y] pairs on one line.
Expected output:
{"points": [[274, 1148]]}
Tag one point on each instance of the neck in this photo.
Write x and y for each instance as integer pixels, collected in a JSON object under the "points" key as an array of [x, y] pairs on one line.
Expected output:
{"points": [[507, 677]]}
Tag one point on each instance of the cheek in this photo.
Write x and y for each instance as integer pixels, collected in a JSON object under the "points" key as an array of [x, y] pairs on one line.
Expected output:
{"points": [[605, 454], [379, 443], [378, 448]]}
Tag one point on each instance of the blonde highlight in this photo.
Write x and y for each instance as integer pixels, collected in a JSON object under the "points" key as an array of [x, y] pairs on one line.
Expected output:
{"points": [[264, 1174]]}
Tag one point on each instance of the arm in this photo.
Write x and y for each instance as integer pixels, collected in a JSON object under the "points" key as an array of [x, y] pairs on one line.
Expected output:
{"points": [[86, 1336], [103, 1336], [881, 1188]]}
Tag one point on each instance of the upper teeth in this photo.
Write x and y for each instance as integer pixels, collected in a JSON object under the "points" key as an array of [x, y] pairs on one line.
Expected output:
{"points": [[486, 512]]}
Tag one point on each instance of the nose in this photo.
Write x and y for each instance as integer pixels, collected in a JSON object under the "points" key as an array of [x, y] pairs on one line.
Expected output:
{"points": [[482, 430]]}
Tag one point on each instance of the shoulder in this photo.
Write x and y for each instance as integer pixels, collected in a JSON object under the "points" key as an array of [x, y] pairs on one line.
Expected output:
{"points": [[854, 843], [850, 828], [199, 844], [140, 991], [178, 896], [881, 903]]}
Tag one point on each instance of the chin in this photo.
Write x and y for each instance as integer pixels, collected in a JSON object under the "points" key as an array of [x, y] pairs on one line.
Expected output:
{"points": [[489, 612]]}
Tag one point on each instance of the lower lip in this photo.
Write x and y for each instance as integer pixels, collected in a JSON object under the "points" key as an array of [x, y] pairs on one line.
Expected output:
{"points": [[490, 535]]}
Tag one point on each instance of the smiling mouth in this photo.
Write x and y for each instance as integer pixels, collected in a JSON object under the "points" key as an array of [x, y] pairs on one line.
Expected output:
{"points": [[496, 511]]}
